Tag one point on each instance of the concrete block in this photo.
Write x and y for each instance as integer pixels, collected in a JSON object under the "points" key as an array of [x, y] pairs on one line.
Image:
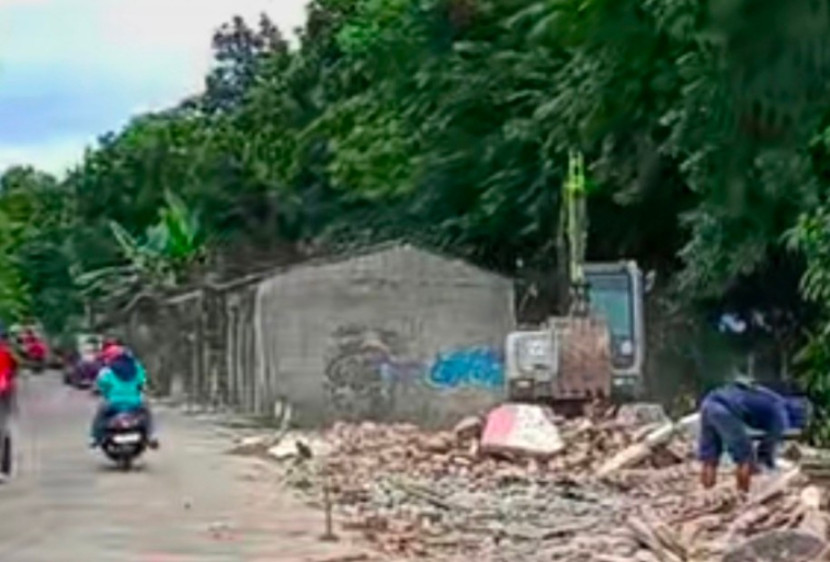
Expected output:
{"points": [[523, 429]]}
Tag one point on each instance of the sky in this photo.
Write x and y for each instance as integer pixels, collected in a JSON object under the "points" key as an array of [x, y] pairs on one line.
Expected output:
{"points": [[72, 70]]}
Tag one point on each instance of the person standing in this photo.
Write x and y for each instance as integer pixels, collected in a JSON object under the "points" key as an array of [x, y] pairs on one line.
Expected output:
{"points": [[8, 402]]}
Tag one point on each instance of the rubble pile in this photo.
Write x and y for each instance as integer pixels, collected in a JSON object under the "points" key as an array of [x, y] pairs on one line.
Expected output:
{"points": [[370, 448], [615, 491]]}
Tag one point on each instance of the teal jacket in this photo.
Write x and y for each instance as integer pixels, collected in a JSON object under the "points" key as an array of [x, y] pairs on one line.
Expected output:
{"points": [[122, 391]]}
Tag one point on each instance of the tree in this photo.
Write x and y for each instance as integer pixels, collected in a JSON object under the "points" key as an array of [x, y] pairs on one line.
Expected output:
{"points": [[449, 122], [159, 261]]}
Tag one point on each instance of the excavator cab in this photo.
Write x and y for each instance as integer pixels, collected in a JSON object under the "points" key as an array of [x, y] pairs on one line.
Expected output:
{"points": [[615, 293]]}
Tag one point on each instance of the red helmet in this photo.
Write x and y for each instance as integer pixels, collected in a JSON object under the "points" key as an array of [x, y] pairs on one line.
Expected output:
{"points": [[111, 352]]}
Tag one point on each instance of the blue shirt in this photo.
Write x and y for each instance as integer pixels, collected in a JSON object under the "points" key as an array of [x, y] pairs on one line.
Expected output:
{"points": [[758, 408], [119, 392]]}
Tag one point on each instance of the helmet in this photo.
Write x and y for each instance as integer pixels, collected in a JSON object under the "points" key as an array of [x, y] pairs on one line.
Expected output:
{"points": [[111, 352], [109, 342]]}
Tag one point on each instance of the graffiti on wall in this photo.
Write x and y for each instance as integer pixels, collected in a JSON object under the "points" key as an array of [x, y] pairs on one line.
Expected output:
{"points": [[357, 373], [367, 366], [481, 367]]}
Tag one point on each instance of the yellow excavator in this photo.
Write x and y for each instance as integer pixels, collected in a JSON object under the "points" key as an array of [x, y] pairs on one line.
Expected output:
{"points": [[596, 351]]}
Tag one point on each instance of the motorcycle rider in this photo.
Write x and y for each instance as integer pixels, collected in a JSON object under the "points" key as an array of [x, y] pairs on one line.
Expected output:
{"points": [[33, 346], [121, 383]]}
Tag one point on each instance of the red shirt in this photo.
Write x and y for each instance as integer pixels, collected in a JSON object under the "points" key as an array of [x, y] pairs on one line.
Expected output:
{"points": [[8, 369]]}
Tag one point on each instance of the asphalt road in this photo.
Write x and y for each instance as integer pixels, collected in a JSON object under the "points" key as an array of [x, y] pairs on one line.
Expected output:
{"points": [[190, 501]]}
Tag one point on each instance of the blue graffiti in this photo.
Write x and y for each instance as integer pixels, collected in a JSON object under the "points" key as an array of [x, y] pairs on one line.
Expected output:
{"points": [[479, 366]]}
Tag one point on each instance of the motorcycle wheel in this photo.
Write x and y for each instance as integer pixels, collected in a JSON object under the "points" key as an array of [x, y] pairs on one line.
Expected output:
{"points": [[125, 463]]}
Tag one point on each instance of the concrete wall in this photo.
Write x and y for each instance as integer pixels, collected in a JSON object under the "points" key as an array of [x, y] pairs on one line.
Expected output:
{"points": [[398, 334], [373, 338], [240, 358]]}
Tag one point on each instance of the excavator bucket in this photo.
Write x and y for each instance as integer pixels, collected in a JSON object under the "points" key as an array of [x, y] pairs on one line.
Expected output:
{"points": [[584, 359], [567, 364]]}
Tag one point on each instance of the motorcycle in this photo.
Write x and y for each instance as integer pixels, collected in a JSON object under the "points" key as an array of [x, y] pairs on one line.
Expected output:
{"points": [[84, 375], [125, 438]]}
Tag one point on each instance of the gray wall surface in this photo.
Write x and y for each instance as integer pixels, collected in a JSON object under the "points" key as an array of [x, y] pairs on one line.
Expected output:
{"points": [[398, 334], [360, 339]]}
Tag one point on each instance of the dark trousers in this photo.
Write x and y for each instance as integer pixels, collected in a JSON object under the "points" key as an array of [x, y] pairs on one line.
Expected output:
{"points": [[722, 431], [106, 411], [8, 409]]}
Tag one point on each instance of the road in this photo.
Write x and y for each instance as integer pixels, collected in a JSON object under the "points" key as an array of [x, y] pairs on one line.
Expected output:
{"points": [[188, 502]]}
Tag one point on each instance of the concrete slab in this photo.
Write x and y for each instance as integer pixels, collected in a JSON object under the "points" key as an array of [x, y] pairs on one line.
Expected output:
{"points": [[523, 429]]}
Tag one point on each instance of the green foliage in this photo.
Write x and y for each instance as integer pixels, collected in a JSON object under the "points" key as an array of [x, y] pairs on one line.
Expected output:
{"points": [[449, 122], [161, 260], [813, 359], [13, 292], [32, 207], [811, 238]]}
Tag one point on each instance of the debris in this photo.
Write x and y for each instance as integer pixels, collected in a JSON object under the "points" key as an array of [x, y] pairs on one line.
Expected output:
{"points": [[253, 444], [638, 452], [440, 443], [260, 444], [815, 464], [665, 550], [628, 457], [469, 428], [286, 449], [430, 497], [814, 520], [689, 425], [297, 445], [641, 413], [523, 485], [778, 546], [775, 488], [524, 429], [661, 435]]}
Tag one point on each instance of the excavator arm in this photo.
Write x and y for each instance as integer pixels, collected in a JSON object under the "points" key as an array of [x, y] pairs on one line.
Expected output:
{"points": [[575, 225]]}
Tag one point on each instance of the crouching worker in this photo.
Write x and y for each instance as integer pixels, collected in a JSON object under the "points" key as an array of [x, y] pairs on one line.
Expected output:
{"points": [[121, 383], [729, 413]]}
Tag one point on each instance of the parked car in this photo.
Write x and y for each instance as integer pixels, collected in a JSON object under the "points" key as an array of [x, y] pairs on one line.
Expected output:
{"points": [[82, 364]]}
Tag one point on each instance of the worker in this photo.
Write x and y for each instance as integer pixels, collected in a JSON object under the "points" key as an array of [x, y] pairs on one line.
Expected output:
{"points": [[728, 413]]}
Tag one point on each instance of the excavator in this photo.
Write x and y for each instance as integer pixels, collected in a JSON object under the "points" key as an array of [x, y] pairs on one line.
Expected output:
{"points": [[596, 350]]}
